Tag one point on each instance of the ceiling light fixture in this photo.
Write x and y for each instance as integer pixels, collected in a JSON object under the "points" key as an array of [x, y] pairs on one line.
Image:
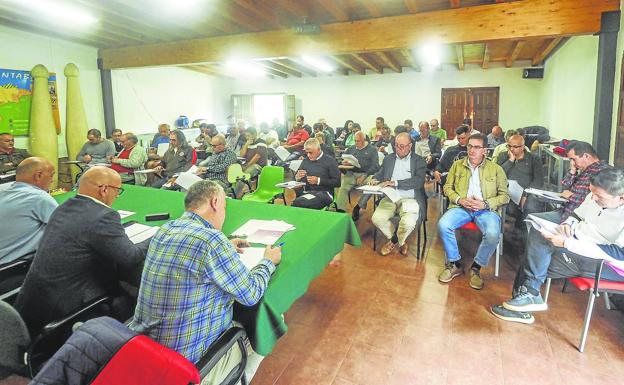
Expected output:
{"points": [[430, 55], [241, 69], [58, 12], [318, 63]]}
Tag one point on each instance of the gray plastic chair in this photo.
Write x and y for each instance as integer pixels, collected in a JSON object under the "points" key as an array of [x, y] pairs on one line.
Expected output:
{"points": [[14, 339]]}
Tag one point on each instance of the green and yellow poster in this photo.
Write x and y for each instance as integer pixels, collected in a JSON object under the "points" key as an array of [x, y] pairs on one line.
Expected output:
{"points": [[15, 99]]}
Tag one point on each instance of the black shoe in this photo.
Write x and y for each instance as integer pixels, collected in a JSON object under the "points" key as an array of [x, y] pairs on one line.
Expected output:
{"points": [[355, 215]]}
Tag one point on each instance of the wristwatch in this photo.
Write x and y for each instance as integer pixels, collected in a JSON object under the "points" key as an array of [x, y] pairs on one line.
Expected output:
{"points": [[487, 205]]}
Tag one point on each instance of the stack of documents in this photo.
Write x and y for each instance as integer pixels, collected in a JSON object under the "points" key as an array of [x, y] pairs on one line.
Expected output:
{"points": [[390, 192], [265, 232], [553, 196], [352, 160], [138, 232], [291, 184]]}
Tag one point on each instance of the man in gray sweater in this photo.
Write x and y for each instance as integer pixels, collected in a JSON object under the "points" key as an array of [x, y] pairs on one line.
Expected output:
{"points": [[97, 149]]}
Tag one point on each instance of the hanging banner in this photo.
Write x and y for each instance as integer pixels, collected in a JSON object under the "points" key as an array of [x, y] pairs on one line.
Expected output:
{"points": [[15, 99]]}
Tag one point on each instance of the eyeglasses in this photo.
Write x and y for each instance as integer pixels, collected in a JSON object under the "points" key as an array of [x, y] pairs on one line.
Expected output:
{"points": [[471, 147], [512, 146], [403, 145], [119, 189]]}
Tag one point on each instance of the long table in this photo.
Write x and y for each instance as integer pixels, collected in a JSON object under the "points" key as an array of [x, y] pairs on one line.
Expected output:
{"points": [[319, 235]]}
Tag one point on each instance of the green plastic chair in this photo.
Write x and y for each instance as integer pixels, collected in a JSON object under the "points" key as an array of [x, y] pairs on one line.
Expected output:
{"points": [[266, 191]]}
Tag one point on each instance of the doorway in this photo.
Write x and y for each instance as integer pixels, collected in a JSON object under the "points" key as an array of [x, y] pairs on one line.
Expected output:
{"points": [[478, 103]]}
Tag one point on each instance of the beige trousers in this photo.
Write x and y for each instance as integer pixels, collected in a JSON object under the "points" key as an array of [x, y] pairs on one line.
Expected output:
{"points": [[223, 367], [387, 210], [346, 185]]}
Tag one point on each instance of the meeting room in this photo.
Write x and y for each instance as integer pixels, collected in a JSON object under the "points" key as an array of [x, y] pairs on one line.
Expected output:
{"points": [[324, 192]]}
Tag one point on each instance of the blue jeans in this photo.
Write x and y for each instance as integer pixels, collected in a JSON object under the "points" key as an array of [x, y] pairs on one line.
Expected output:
{"points": [[487, 221], [539, 252]]}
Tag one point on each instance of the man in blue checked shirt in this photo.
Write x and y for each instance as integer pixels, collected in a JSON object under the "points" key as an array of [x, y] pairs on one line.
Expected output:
{"points": [[193, 275]]}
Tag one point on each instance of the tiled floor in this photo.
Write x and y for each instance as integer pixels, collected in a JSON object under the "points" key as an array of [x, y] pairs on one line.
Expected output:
{"points": [[386, 320]]}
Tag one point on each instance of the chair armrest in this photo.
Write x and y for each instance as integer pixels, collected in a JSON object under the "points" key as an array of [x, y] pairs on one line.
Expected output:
{"points": [[75, 316], [16, 265], [220, 347]]}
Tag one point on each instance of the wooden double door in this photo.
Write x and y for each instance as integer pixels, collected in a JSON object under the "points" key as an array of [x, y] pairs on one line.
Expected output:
{"points": [[478, 103]]}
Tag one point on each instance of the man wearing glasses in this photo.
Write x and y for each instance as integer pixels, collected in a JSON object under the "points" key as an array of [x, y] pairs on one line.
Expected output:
{"points": [[10, 157], [476, 187], [84, 253], [523, 167], [405, 172]]}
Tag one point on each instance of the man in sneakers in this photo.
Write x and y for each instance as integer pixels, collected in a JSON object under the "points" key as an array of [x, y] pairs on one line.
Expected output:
{"points": [[598, 220], [476, 187]]}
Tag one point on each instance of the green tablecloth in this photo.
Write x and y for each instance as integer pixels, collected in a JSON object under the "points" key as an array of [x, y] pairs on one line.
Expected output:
{"points": [[319, 235]]}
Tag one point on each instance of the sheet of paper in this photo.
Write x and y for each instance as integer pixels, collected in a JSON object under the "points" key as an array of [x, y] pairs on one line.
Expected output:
{"points": [[546, 194], [187, 179], [515, 191], [389, 149], [295, 164], [292, 184], [251, 256], [369, 188], [265, 237], [391, 193], [542, 224], [147, 171], [138, 232], [351, 159], [162, 148], [125, 214], [193, 169], [282, 153], [254, 225]]}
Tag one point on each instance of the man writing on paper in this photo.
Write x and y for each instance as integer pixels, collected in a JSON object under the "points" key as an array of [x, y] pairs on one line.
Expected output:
{"points": [[523, 167], [321, 175], [404, 171], [368, 159], [599, 220], [476, 187], [193, 275], [83, 254], [96, 149]]}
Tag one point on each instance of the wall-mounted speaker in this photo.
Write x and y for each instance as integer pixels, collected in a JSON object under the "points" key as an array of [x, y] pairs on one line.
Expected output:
{"points": [[533, 73]]}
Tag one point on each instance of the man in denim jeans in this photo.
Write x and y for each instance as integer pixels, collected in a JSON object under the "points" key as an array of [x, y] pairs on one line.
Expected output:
{"points": [[476, 187]]}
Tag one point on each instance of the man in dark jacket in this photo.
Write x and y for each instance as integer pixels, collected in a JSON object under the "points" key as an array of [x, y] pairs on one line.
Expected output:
{"points": [[178, 158], [321, 175], [428, 146], [368, 160], [83, 254], [405, 172]]}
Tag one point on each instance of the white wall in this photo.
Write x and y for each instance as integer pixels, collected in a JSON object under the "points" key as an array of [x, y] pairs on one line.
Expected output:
{"points": [[570, 89], [146, 97], [22, 51], [396, 97]]}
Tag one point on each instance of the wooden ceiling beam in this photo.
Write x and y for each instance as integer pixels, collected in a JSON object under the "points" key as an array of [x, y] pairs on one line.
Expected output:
{"points": [[545, 50], [295, 8], [367, 63], [459, 51], [334, 9], [295, 66], [278, 66], [260, 11], [407, 55], [411, 5], [372, 8], [270, 70], [454, 3], [510, 20], [486, 56], [207, 70], [347, 63], [516, 48], [237, 17], [390, 62]]}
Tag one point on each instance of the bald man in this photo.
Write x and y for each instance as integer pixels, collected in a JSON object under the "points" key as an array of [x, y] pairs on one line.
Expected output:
{"points": [[496, 137], [83, 254], [26, 208]]}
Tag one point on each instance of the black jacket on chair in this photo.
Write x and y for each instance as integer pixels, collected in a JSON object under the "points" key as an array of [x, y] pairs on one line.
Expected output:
{"points": [[83, 254]]}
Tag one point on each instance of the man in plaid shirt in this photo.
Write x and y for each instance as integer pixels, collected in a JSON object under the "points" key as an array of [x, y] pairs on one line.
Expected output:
{"points": [[584, 163], [193, 275]]}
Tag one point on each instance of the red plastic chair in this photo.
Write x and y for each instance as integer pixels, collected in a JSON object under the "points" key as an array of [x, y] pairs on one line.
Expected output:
{"points": [[142, 361], [594, 286], [194, 158]]}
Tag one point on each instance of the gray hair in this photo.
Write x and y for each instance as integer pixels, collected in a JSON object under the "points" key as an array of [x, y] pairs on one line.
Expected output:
{"points": [[312, 143], [610, 179], [200, 193], [131, 137], [220, 138]]}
